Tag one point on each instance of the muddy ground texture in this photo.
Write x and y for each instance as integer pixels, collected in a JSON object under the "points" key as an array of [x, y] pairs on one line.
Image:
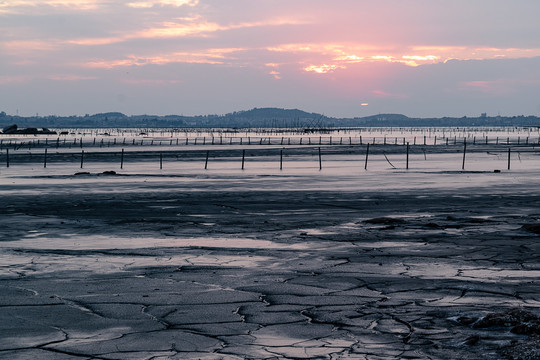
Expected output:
{"points": [[269, 275]]}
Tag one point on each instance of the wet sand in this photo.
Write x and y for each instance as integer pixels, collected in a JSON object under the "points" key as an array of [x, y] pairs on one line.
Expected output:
{"points": [[111, 267]]}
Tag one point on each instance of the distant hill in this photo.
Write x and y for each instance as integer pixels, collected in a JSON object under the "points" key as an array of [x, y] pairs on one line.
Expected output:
{"points": [[255, 118]]}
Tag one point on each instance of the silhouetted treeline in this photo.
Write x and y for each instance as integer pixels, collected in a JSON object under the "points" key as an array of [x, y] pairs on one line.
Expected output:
{"points": [[256, 118]]}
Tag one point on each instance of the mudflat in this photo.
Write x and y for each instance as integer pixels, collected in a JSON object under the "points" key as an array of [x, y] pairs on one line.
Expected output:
{"points": [[106, 266]]}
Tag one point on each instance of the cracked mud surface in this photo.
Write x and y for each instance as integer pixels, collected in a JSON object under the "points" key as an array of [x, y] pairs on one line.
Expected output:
{"points": [[233, 274]]}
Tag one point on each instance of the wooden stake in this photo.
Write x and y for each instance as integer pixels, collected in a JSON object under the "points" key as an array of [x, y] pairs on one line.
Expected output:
{"points": [[464, 152], [243, 158], [367, 155], [206, 162], [82, 158], [320, 160], [160, 161], [281, 159], [45, 159], [508, 158], [122, 160], [407, 166]]}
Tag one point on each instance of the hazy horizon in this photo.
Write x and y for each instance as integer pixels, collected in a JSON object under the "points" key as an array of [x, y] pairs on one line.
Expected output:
{"points": [[286, 109]]}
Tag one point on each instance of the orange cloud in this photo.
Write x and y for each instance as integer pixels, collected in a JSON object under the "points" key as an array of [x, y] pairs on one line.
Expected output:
{"points": [[211, 56], [25, 46], [190, 27], [275, 74], [171, 29], [350, 58], [335, 56], [201, 28], [322, 69], [96, 41]]}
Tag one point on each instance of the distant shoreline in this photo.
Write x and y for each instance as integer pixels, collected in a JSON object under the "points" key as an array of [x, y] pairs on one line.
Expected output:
{"points": [[260, 118]]}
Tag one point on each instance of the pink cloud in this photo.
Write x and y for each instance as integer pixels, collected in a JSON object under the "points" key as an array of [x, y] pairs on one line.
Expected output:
{"points": [[498, 87], [385, 94], [211, 56], [151, 3], [7, 80], [149, 82], [275, 74], [70, 77], [21, 6]]}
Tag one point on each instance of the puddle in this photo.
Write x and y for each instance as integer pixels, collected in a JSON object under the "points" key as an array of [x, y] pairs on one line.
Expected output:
{"points": [[102, 242]]}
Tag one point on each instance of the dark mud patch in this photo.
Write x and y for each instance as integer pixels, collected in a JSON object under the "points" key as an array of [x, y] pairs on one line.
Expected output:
{"points": [[385, 221], [518, 321], [532, 228]]}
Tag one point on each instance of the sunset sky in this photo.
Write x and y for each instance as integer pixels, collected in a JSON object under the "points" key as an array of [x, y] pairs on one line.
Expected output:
{"points": [[343, 58]]}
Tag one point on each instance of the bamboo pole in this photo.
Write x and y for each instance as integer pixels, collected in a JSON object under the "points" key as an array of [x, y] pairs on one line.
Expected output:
{"points": [[464, 153], [367, 155], [407, 165]]}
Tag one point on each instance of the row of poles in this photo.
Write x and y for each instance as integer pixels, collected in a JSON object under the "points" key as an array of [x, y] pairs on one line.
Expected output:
{"points": [[280, 158], [262, 141], [301, 131]]}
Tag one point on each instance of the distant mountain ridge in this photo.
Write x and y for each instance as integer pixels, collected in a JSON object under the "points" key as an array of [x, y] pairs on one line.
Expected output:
{"points": [[256, 118]]}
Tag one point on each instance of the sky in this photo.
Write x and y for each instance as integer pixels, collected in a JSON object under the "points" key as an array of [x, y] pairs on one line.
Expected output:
{"points": [[341, 58]]}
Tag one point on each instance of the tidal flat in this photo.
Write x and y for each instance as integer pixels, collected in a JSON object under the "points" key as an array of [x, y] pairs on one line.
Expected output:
{"points": [[340, 263]]}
